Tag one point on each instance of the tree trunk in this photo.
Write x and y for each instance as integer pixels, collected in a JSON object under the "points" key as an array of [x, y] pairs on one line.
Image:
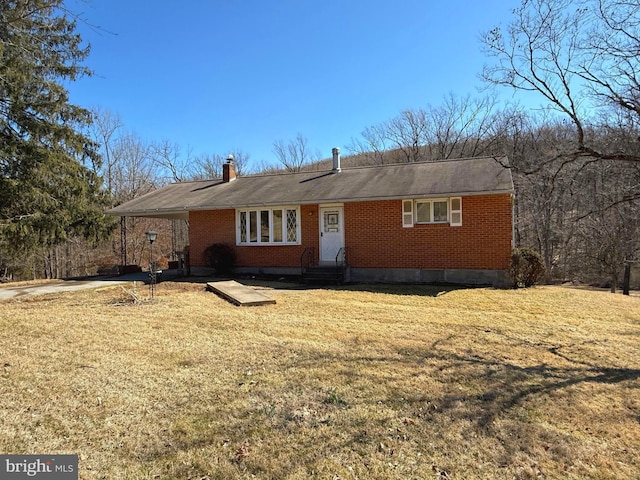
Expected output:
{"points": [[627, 279], [614, 281]]}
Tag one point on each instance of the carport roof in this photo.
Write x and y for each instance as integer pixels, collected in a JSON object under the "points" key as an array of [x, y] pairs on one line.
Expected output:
{"points": [[472, 176]]}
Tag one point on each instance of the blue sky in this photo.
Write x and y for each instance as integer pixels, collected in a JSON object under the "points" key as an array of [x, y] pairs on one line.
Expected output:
{"points": [[218, 75]]}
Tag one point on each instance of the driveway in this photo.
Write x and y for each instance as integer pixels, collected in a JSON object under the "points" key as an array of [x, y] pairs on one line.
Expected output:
{"points": [[73, 285]]}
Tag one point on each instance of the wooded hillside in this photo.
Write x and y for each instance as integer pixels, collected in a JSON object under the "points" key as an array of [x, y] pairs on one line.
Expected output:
{"points": [[575, 158]]}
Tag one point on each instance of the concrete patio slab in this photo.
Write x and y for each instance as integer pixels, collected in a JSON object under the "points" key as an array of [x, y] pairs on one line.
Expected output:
{"points": [[239, 294]]}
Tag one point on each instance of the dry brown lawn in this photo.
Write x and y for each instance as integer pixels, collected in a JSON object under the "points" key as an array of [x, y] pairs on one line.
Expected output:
{"points": [[359, 382]]}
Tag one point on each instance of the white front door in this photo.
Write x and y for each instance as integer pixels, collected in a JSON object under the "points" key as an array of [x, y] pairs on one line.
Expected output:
{"points": [[331, 233]]}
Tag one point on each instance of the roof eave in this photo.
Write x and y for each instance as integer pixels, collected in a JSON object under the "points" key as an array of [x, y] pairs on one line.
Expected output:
{"points": [[317, 201], [167, 214]]}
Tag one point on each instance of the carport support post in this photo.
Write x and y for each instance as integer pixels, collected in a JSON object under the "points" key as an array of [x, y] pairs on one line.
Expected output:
{"points": [[123, 241]]}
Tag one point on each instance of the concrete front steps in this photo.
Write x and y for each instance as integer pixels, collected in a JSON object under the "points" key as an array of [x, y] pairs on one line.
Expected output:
{"points": [[323, 275]]}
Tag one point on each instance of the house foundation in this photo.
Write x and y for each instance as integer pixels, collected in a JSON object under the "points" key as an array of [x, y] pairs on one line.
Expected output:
{"points": [[494, 278]]}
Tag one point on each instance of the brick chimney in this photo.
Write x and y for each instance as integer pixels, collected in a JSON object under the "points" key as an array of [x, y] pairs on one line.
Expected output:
{"points": [[228, 170]]}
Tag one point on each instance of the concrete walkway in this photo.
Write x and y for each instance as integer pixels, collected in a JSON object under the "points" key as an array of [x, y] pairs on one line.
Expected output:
{"points": [[73, 285]]}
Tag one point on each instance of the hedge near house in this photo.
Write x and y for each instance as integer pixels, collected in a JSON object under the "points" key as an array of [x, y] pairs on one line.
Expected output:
{"points": [[220, 256]]}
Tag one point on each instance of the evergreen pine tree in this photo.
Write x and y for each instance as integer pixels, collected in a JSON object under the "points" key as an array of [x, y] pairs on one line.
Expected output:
{"points": [[47, 190]]}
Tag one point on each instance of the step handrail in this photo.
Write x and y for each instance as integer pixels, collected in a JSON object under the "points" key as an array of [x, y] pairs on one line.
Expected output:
{"points": [[341, 257], [306, 259], [342, 263]]}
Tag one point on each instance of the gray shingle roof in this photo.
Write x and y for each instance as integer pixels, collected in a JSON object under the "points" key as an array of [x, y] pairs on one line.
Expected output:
{"points": [[474, 176]]}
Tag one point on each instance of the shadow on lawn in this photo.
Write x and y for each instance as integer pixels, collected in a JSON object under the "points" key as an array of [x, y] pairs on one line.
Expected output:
{"points": [[478, 397], [498, 385], [470, 392], [293, 283], [507, 385]]}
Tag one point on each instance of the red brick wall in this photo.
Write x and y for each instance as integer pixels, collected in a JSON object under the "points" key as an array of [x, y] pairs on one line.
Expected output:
{"points": [[219, 226], [376, 238]]}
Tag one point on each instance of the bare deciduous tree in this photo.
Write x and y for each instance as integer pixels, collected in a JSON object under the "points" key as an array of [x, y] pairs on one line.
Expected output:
{"points": [[460, 127], [207, 166], [242, 161], [373, 145], [172, 165], [128, 169], [581, 58], [408, 133], [578, 56], [611, 65], [105, 129], [607, 225], [134, 172], [210, 165], [295, 153]]}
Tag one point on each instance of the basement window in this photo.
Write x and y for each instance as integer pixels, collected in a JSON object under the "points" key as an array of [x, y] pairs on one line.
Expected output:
{"points": [[268, 226]]}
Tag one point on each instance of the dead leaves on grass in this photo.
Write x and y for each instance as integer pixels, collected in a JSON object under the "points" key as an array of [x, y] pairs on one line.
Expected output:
{"points": [[411, 396], [243, 451], [439, 472], [130, 296]]}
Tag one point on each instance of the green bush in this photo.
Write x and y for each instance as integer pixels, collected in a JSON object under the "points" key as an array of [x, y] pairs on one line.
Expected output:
{"points": [[526, 268], [220, 256]]}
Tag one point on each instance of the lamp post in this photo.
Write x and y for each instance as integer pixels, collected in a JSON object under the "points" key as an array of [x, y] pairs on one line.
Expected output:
{"points": [[151, 236]]}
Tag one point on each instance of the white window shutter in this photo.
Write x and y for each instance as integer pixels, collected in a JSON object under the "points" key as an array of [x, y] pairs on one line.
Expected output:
{"points": [[456, 212], [407, 213]]}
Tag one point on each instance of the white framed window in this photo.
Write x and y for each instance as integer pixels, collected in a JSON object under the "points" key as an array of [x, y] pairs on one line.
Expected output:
{"points": [[432, 210], [268, 226]]}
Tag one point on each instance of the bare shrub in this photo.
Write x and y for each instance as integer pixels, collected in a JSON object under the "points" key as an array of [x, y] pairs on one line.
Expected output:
{"points": [[527, 267]]}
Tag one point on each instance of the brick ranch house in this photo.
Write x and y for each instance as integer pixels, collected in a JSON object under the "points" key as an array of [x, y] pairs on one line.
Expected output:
{"points": [[448, 221]]}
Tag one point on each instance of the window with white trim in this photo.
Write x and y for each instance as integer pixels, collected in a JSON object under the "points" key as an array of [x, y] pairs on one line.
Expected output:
{"points": [[268, 226], [432, 210]]}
